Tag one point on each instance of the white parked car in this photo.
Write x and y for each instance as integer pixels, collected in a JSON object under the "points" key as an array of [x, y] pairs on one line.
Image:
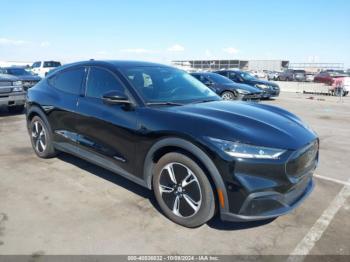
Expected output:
{"points": [[258, 74], [41, 68]]}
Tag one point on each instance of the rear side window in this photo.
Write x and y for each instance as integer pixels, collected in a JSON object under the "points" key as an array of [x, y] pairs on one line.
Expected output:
{"points": [[69, 81], [51, 64], [100, 82]]}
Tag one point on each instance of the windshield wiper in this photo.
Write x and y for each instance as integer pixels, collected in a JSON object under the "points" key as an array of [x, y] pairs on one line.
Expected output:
{"points": [[204, 101], [163, 104]]}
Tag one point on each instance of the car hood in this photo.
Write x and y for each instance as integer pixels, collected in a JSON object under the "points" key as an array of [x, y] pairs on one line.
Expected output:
{"points": [[29, 78], [248, 88], [250, 123], [6, 77]]}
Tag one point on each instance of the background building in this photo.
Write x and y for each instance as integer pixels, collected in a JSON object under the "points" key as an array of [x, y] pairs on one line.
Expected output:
{"points": [[254, 65]]}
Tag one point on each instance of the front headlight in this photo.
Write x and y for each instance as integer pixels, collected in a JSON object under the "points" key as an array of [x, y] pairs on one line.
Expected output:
{"points": [[242, 91], [240, 150], [17, 89], [261, 86], [17, 83]]}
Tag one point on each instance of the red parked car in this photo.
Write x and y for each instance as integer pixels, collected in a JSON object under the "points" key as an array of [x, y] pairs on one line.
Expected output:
{"points": [[328, 77]]}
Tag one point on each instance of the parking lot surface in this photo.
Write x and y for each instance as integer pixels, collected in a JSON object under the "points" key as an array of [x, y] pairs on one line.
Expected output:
{"points": [[68, 206]]}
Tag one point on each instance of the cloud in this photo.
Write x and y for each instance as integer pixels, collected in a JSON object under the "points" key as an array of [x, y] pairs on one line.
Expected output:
{"points": [[137, 51], [231, 50], [9, 42], [176, 48], [45, 44]]}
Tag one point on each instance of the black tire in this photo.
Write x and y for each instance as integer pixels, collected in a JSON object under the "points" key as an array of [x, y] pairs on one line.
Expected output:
{"points": [[228, 95], [16, 109], [198, 189], [37, 125]]}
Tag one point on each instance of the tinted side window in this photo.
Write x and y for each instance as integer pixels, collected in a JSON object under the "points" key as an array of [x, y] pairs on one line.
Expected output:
{"points": [[197, 76], [233, 76], [100, 82], [69, 81]]}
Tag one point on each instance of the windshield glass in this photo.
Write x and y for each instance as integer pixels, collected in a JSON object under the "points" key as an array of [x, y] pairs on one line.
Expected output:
{"points": [[165, 84], [18, 72], [216, 78], [247, 76]]}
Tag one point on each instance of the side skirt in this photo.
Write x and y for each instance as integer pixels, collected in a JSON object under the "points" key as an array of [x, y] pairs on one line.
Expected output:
{"points": [[98, 160]]}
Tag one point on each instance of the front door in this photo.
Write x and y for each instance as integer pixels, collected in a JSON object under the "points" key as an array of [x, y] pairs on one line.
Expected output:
{"points": [[106, 130]]}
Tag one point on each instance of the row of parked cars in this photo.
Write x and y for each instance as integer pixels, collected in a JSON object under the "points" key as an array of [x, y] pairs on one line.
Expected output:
{"points": [[338, 80], [238, 85], [15, 81]]}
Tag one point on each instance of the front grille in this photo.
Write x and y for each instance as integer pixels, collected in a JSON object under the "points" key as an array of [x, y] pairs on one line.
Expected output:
{"points": [[252, 96], [5, 90], [5, 83], [303, 161]]}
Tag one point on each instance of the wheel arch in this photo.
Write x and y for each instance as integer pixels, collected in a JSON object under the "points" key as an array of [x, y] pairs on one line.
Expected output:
{"points": [[173, 144], [35, 110]]}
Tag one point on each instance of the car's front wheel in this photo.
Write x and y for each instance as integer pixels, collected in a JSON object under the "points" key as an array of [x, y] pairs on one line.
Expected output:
{"points": [[41, 138], [183, 190], [228, 95]]}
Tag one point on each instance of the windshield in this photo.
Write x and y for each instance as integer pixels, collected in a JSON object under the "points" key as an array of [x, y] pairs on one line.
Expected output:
{"points": [[247, 76], [52, 64], [216, 78], [164, 84], [18, 72]]}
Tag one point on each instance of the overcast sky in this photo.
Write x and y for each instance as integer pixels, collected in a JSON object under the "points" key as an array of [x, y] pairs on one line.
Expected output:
{"points": [[162, 30]]}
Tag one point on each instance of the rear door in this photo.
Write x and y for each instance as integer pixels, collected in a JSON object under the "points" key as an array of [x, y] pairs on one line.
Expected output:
{"points": [[66, 87], [104, 129]]}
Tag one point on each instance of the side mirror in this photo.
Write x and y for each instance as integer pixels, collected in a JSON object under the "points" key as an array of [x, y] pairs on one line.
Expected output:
{"points": [[116, 98]]}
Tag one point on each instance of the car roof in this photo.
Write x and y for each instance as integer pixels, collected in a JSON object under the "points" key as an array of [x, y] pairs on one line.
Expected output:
{"points": [[114, 63]]}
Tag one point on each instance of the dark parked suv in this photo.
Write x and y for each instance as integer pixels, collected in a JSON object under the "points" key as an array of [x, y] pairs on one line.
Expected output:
{"points": [[163, 129], [228, 89], [269, 89], [28, 78]]}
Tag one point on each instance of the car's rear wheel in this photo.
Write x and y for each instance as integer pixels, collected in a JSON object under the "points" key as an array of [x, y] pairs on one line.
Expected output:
{"points": [[228, 95], [183, 191], [41, 138]]}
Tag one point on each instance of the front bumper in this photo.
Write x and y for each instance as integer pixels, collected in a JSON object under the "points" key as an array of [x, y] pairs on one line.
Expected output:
{"points": [[13, 99], [271, 93], [263, 189], [252, 97], [270, 204]]}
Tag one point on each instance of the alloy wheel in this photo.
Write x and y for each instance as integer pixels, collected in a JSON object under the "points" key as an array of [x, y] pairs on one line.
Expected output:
{"points": [[180, 190], [228, 96], [39, 137]]}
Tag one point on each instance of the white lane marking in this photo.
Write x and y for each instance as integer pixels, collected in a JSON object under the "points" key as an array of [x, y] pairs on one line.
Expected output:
{"points": [[332, 180], [308, 242]]}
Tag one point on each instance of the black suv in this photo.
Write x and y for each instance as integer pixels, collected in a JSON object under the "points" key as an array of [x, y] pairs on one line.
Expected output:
{"points": [[163, 129], [269, 89], [228, 89]]}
